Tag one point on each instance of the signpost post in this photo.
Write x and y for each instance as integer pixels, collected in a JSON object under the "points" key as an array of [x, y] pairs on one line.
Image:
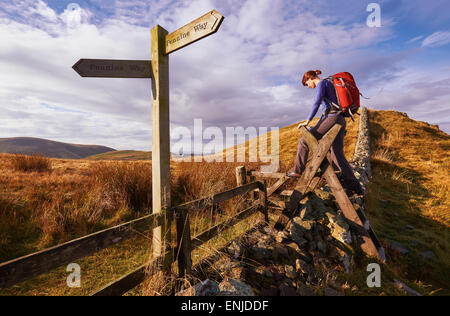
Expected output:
{"points": [[162, 44]]}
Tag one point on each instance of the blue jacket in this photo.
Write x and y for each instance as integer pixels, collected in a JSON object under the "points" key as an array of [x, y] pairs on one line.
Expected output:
{"points": [[325, 89]]}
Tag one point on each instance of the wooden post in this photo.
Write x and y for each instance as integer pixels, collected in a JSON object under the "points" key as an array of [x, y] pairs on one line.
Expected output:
{"points": [[263, 200], [184, 243], [241, 176], [161, 144]]}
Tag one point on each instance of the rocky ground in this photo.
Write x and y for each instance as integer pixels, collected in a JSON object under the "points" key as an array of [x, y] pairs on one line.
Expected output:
{"points": [[302, 260]]}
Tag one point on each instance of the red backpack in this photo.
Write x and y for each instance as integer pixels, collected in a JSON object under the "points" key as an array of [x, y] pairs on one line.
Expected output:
{"points": [[347, 93]]}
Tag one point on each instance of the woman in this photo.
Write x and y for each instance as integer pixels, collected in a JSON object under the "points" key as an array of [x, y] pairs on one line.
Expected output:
{"points": [[330, 117]]}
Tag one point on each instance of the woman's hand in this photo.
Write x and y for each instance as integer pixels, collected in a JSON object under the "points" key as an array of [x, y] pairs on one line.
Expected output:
{"points": [[305, 124]]}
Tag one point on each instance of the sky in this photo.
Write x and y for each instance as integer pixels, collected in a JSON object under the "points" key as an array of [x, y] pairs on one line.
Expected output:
{"points": [[246, 75]]}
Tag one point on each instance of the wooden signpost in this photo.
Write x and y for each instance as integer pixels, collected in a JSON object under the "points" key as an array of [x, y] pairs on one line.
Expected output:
{"points": [[162, 44], [104, 68]]}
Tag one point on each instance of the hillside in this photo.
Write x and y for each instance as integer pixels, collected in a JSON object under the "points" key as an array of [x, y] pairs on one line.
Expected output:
{"points": [[289, 138], [53, 149], [407, 204]]}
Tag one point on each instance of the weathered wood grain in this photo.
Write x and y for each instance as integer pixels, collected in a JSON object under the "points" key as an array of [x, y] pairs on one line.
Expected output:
{"points": [[369, 241], [113, 68], [198, 29], [161, 140], [241, 176], [221, 197], [183, 254], [277, 185], [318, 154], [216, 230], [267, 175], [20, 269]]}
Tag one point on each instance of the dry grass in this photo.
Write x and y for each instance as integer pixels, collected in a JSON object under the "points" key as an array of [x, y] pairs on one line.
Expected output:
{"points": [[80, 197], [33, 163], [411, 172]]}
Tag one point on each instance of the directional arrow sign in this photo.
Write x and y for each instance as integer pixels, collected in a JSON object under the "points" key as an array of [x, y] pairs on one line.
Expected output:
{"points": [[110, 68], [194, 31]]}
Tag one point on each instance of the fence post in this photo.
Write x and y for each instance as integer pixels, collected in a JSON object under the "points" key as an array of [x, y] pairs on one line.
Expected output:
{"points": [[263, 200], [241, 176], [184, 243]]}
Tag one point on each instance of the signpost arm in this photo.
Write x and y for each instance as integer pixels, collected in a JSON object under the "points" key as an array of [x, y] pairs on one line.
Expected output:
{"points": [[161, 143]]}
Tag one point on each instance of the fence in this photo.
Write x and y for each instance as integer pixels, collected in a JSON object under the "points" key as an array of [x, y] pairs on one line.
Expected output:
{"points": [[21, 269]]}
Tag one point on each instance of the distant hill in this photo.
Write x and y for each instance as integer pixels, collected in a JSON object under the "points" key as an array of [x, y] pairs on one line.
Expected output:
{"points": [[49, 148]]}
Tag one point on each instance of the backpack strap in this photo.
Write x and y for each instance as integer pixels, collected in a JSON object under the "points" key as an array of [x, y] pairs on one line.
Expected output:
{"points": [[337, 106]]}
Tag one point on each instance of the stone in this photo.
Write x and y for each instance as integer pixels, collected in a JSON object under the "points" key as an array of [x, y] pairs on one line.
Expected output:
{"points": [[271, 291], [303, 267], [406, 289], [235, 249], [344, 258], [290, 272], [332, 292], [335, 285], [269, 230], [260, 253], [281, 252], [237, 273], [264, 272], [308, 236], [312, 246], [306, 225], [296, 233], [282, 237], [322, 246], [232, 287], [205, 288], [304, 290], [428, 255], [398, 247], [339, 228], [326, 188], [287, 290], [303, 255]]}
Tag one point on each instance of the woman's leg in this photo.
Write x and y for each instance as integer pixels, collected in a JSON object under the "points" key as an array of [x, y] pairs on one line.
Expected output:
{"points": [[337, 152], [303, 151], [302, 157]]}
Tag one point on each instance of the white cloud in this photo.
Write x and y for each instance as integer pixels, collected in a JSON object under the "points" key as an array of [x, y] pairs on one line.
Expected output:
{"points": [[437, 39], [245, 75]]}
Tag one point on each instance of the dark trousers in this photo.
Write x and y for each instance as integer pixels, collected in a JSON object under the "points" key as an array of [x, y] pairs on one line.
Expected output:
{"points": [[337, 150]]}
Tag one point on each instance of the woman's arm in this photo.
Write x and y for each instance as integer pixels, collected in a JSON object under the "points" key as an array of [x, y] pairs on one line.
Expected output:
{"points": [[319, 98]]}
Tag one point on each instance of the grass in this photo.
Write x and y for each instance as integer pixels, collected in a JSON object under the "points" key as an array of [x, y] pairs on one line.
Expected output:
{"points": [[33, 163], [41, 209], [127, 155], [409, 187]]}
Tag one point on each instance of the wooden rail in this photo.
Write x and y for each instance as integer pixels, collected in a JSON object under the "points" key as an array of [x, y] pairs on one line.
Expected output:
{"points": [[185, 245], [20, 269]]}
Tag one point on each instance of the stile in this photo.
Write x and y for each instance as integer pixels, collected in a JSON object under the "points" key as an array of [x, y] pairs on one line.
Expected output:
{"points": [[369, 241], [304, 184]]}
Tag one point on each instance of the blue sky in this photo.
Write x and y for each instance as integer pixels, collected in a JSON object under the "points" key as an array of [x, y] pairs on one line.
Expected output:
{"points": [[246, 75]]}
